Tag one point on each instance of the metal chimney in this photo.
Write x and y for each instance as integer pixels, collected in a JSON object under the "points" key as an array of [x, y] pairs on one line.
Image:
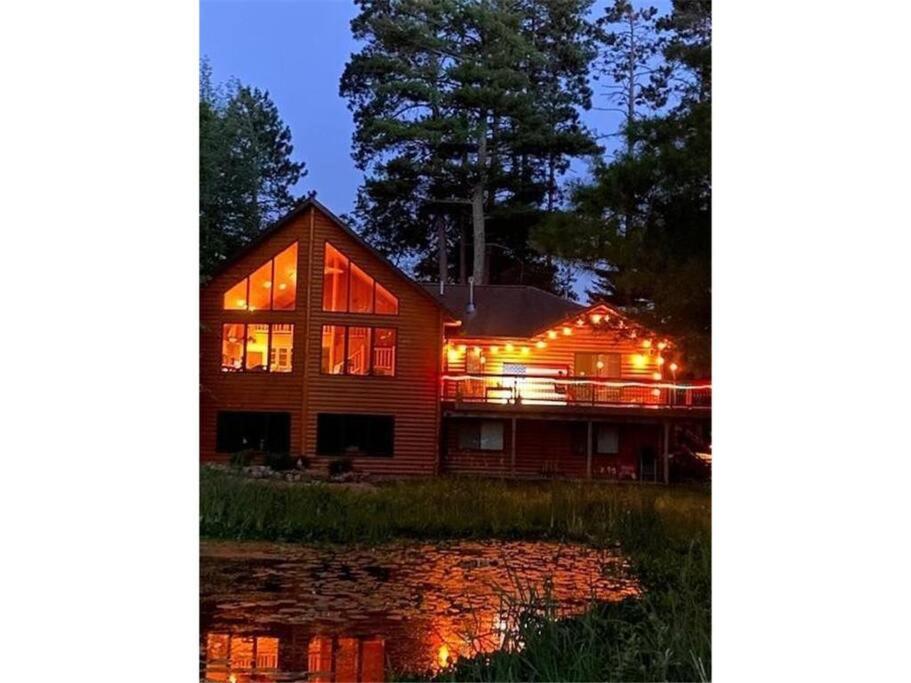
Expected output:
{"points": [[470, 308]]}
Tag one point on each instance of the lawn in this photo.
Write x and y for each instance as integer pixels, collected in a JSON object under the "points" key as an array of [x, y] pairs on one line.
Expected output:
{"points": [[665, 532]]}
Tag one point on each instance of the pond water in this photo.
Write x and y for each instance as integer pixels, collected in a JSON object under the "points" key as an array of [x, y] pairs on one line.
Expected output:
{"points": [[282, 612]]}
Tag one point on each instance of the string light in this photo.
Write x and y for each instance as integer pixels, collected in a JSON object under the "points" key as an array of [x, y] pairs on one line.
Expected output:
{"points": [[646, 343], [673, 367], [567, 331], [656, 375], [596, 318], [495, 349], [660, 360], [482, 360], [639, 360], [662, 345], [600, 364], [477, 350], [452, 356], [540, 344], [524, 350], [551, 334], [509, 348], [462, 348]]}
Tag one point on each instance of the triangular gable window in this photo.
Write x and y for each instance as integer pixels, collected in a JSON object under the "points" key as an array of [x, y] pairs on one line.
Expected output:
{"points": [[271, 287], [347, 288]]}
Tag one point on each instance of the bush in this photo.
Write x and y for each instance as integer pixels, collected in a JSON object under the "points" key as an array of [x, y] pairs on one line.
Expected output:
{"points": [[280, 462], [340, 466], [242, 458]]}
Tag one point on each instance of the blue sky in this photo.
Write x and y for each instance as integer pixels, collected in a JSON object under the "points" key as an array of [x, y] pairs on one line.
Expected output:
{"points": [[297, 50]]}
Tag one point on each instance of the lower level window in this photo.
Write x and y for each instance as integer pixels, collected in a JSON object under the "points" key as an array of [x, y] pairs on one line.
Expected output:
{"points": [[607, 440], [239, 431], [355, 435], [481, 435]]}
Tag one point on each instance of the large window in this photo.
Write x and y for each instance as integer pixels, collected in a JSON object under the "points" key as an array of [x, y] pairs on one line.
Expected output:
{"points": [[355, 435], [353, 350], [347, 288], [481, 435], [256, 348], [597, 365], [271, 287], [239, 431]]}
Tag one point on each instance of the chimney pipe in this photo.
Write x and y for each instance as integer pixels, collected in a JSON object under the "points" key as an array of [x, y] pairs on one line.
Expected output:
{"points": [[442, 287], [470, 307]]}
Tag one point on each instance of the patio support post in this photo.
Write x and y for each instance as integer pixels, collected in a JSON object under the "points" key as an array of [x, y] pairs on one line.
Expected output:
{"points": [[512, 448], [588, 452], [665, 458]]}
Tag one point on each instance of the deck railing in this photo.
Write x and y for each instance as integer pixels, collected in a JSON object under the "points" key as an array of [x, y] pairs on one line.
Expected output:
{"points": [[574, 391]]}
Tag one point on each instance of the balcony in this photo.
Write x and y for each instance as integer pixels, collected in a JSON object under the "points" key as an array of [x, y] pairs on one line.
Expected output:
{"points": [[582, 392]]}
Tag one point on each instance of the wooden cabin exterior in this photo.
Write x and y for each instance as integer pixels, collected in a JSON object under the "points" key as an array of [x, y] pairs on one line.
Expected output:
{"points": [[313, 344]]}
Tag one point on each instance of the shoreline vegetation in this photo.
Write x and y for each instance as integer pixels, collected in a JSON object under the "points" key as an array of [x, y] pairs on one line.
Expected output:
{"points": [[665, 634]]}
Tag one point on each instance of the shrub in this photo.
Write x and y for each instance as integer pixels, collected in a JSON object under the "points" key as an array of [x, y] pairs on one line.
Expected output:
{"points": [[340, 466], [242, 458]]}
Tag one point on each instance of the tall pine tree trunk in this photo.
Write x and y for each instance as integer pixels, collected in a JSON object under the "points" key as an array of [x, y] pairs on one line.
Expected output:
{"points": [[442, 248], [477, 205]]}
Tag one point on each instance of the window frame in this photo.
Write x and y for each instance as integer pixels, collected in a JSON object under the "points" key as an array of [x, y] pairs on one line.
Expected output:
{"points": [[370, 351], [243, 360], [596, 434], [374, 280], [362, 453], [596, 355], [478, 425], [271, 414], [272, 289]]}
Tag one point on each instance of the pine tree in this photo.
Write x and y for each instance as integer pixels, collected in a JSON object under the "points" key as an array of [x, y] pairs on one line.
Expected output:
{"points": [[246, 171]]}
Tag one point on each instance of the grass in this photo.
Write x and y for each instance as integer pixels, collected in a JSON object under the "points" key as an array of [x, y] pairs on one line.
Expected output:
{"points": [[665, 532]]}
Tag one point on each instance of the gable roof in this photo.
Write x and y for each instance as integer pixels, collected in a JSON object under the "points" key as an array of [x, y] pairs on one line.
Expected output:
{"points": [[298, 211], [504, 310]]}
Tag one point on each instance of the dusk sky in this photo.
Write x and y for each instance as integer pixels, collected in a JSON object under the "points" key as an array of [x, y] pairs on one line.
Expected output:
{"points": [[297, 50]]}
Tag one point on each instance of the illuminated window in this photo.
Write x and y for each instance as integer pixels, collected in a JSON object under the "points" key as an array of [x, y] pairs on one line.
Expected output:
{"points": [[384, 351], [257, 348], [257, 352], [386, 303], [271, 286], [335, 280], [358, 355], [607, 441], [481, 435], [361, 291], [347, 288], [260, 295], [333, 358], [281, 348], [232, 347], [236, 297], [358, 350], [605, 365], [284, 280]]}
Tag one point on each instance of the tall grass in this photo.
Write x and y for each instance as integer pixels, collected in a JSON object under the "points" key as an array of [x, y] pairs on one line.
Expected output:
{"points": [[665, 532]]}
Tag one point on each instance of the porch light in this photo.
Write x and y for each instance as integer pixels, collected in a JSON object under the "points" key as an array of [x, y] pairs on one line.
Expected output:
{"points": [[646, 343], [495, 349], [452, 356], [596, 318], [524, 350], [600, 364], [673, 367], [660, 360], [656, 375], [551, 334], [509, 348], [477, 350], [662, 345], [462, 348], [540, 344], [567, 331]]}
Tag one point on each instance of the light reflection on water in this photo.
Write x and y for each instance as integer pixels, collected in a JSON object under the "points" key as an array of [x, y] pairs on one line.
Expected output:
{"points": [[282, 612]]}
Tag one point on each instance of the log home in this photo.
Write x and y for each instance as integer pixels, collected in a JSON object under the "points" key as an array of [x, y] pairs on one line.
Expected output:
{"points": [[313, 344]]}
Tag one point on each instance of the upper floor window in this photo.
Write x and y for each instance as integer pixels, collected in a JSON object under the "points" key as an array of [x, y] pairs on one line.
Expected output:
{"points": [[597, 365], [349, 289], [256, 348], [271, 287]]}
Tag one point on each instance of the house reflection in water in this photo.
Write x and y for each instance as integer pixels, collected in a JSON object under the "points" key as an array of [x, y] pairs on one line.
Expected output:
{"points": [[275, 612], [327, 659]]}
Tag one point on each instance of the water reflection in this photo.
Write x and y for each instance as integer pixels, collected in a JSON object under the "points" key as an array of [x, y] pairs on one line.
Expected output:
{"points": [[273, 612]]}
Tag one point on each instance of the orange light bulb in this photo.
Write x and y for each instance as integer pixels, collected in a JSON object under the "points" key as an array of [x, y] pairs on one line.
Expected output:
{"points": [[540, 345], [551, 334], [673, 367], [509, 347], [567, 331]]}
